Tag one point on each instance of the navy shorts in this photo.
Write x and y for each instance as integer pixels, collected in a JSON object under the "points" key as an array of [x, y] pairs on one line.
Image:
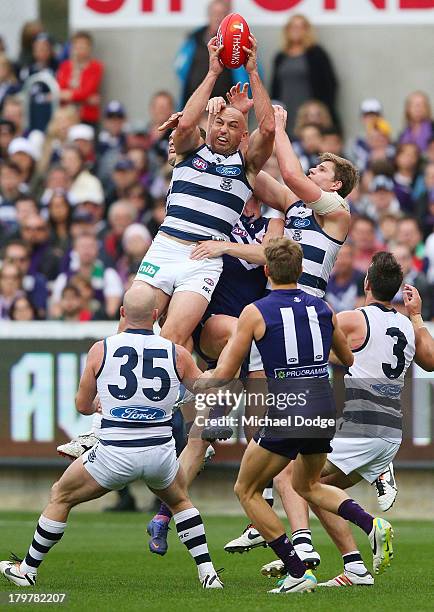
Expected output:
{"points": [[291, 447]]}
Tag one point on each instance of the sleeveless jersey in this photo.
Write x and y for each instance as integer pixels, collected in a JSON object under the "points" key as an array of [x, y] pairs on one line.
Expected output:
{"points": [[298, 335], [374, 382], [240, 283], [206, 196], [319, 249], [138, 385]]}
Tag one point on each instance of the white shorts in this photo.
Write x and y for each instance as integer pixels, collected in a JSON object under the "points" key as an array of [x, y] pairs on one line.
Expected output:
{"points": [[167, 266], [255, 360], [369, 457], [114, 467]]}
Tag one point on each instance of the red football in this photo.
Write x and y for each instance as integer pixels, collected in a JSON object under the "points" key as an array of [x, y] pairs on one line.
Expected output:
{"points": [[233, 34]]}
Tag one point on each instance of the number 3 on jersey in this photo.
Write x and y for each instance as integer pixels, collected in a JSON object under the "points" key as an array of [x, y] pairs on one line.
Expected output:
{"points": [[149, 371], [398, 350]]}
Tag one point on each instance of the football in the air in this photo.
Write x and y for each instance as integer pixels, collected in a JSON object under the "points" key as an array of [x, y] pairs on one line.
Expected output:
{"points": [[233, 34]]}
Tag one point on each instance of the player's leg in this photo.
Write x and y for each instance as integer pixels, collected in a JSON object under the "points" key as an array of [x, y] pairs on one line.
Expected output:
{"points": [[306, 482], [216, 333], [171, 488], [185, 310], [75, 486], [259, 466]]}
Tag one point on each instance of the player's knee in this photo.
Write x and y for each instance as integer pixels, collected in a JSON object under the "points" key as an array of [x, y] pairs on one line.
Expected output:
{"points": [[174, 333], [303, 488], [59, 495]]}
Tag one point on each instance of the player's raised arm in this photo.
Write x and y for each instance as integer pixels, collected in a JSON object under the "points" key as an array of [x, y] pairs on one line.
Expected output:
{"points": [[262, 140], [87, 388], [187, 133], [424, 356], [273, 193]]}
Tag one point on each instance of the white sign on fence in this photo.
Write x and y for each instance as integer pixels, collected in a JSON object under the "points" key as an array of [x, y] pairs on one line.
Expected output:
{"points": [[190, 13]]}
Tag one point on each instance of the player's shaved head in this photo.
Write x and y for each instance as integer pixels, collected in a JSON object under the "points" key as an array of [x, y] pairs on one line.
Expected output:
{"points": [[139, 305]]}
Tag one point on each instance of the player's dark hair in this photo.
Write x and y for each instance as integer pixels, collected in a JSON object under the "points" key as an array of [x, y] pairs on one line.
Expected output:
{"points": [[385, 276], [284, 259], [345, 171]]}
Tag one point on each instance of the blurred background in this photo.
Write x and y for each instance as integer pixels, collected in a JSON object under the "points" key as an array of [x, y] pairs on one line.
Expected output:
{"points": [[83, 178]]}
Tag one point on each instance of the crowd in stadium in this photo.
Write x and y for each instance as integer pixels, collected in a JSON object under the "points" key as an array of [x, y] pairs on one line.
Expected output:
{"points": [[82, 191]]}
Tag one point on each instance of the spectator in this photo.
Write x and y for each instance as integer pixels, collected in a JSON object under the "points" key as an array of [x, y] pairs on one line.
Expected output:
{"points": [[17, 253], [91, 308], [82, 181], [11, 189], [379, 144], [10, 288], [112, 139], [80, 78], [161, 107], [332, 141], [83, 137], [371, 115], [8, 81], [56, 180], [424, 209], [35, 233], [57, 134], [381, 200], [345, 289], [312, 113], [22, 309], [24, 155], [120, 216], [93, 205], [40, 95], [82, 223], [412, 277], [136, 241], [70, 305], [429, 251], [309, 146], [303, 71], [407, 168], [28, 33], [25, 207], [388, 230], [419, 123], [158, 215], [59, 219], [105, 281], [7, 134], [123, 177], [142, 202], [363, 236], [191, 62], [410, 234], [13, 110], [139, 157]]}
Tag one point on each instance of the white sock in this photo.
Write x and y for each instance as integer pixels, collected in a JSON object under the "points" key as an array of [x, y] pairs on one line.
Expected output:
{"points": [[47, 534], [302, 540], [191, 532], [353, 562]]}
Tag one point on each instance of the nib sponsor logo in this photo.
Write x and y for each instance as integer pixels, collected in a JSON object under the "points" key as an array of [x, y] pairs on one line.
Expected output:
{"points": [[148, 269]]}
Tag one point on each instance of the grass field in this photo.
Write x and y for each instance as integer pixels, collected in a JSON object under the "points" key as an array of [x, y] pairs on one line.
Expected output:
{"points": [[103, 563]]}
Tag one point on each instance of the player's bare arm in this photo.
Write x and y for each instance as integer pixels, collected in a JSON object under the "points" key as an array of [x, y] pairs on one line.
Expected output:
{"points": [[186, 367], [424, 356], [340, 345], [187, 136], [262, 140], [84, 400], [252, 253]]}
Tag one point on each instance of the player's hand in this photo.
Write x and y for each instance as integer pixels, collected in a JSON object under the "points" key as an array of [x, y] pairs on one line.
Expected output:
{"points": [[280, 116], [172, 122], [215, 65], [412, 300], [204, 382], [208, 249], [252, 62], [239, 98], [215, 105]]}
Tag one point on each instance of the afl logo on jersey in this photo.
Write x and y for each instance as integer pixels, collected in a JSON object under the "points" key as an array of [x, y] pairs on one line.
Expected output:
{"points": [[209, 282], [133, 413], [200, 164], [228, 170], [239, 231], [300, 223]]}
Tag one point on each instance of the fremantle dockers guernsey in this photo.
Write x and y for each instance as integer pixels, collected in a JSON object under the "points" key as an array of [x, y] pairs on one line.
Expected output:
{"points": [[374, 382], [319, 249], [137, 385], [207, 195]]}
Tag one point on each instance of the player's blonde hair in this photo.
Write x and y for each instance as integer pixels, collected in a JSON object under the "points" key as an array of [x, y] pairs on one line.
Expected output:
{"points": [[284, 259], [309, 38]]}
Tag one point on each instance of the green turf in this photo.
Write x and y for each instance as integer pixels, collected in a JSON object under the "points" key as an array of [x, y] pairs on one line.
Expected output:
{"points": [[103, 563]]}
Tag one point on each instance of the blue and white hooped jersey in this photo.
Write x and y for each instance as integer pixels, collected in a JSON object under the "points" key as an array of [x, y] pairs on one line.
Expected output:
{"points": [[319, 249], [207, 195], [137, 385], [298, 335]]}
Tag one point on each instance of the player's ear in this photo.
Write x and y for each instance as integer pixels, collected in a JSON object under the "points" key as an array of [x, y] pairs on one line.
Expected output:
{"points": [[122, 311], [337, 185], [266, 271], [366, 284], [155, 314]]}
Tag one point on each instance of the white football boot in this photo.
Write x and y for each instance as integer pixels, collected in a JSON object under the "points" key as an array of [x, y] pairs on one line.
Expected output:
{"points": [[348, 579], [11, 571], [381, 544], [249, 539], [290, 584], [276, 569], [77, 446], [212, 581], [386, 489]]}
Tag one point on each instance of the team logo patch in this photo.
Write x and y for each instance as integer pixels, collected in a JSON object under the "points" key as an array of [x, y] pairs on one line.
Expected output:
{"points": [[228, 170], [226, 184], [148, 269], [209, 282], [137, 414], [299, 223], [199, 163], [387, 390]]}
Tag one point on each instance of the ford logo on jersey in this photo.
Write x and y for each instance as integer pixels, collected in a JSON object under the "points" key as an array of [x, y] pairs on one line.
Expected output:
{"points": [[228, 170], [301, 223], [135, 413], [199, 163], [387, 390]]}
